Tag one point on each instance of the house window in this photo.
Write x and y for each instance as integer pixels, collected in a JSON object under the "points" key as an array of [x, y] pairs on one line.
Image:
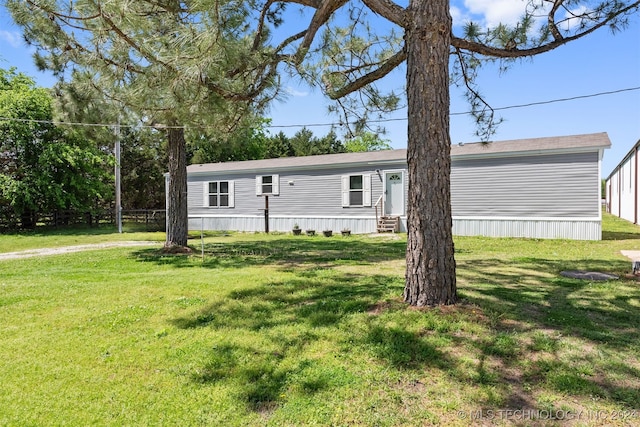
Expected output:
{"points": [[219, 194], [356, 190], [267, 185]]}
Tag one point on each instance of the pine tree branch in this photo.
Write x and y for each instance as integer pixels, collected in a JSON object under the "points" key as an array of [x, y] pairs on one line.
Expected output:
{"points": [[72, 43], [387, 66], [320, 17], [124, 67], [486, 50], [324, 11], [389, 10], [163, 5], [63, 15], [485, 124], [149, 56], [551, 20], [261, 22]]}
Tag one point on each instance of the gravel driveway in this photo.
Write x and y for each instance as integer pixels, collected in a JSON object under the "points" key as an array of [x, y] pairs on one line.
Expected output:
{"points": [[68, 249]]}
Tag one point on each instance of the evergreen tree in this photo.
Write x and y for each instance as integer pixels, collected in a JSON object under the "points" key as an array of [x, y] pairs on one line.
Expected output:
{"points": [[143, 164], [279, 145], [328, 144], [304, 143], [343, 52], [247, 142]]}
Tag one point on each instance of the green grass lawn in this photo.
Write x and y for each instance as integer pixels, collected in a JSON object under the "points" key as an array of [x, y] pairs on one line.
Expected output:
{"points": [[50, 238], [284, 330]]}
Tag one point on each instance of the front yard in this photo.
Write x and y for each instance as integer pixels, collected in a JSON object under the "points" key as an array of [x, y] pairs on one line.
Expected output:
{"points": [[297, 330]]}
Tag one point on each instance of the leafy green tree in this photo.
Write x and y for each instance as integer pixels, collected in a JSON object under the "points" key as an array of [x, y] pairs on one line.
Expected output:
{"points": [[176, 64], [366, 141], [344, 53], [43, 168], [21, 142]]}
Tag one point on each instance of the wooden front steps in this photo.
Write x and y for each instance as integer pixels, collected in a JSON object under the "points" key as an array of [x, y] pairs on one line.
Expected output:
{"points": [[388, 224]]}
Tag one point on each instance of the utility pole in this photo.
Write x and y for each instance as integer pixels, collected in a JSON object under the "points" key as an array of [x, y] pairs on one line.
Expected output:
{"points": [[117, 171]]}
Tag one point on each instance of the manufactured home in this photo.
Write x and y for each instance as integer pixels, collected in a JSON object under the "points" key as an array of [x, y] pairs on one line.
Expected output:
{"points": [[621, 187], [541, 188]]}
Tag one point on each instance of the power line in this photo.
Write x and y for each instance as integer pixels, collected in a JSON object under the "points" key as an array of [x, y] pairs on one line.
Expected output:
{"points": [[510, 107], [566, 99], [531, 104]]}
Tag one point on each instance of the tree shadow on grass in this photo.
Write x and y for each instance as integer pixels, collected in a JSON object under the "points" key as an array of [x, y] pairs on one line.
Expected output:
{"points": [[561, 326], [260, 373], [285, 251], [620, 235], [285, 315], [404, 349], [291, 316], [302, 300], [531, 318]]}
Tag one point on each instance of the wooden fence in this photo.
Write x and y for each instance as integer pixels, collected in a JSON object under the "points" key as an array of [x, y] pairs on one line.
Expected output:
{"points": [[148, 219], [153, 219]]}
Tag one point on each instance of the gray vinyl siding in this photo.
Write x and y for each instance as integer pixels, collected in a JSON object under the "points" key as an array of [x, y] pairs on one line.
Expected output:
{"points": [[543, 192], [314, 193], [560, 185]]}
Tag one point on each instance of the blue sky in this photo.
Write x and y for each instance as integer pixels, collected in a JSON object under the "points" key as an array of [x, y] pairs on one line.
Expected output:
{"points": [[599, 63]]}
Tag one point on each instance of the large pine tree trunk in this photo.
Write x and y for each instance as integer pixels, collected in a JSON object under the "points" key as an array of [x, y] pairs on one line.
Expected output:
{"points": [[431, 268], [177, 219]]}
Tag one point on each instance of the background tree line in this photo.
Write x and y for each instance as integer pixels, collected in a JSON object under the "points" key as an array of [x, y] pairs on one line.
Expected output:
{"points": [[48, 169]]}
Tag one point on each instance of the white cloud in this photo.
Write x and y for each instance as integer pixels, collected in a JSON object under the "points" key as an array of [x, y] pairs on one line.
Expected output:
{"points": [[456, 15], [494, 12], [293, 92], [13, 38]]}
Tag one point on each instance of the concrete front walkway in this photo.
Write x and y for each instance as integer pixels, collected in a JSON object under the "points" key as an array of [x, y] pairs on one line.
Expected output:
{"points": [[632, 255]]}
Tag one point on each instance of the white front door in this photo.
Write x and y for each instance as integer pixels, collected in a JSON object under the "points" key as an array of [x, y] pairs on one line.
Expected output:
{"points": [[394, 193]]}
